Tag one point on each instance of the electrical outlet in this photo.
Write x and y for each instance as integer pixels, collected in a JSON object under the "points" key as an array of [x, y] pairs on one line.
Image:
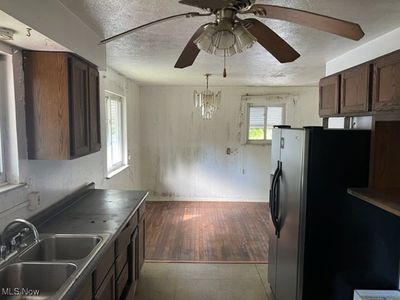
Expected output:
{"points": [[33, 200]]}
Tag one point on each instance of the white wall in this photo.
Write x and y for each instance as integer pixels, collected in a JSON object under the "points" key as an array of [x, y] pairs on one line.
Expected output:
{"points": [[56, 179], [185, 156], [382, 45]]}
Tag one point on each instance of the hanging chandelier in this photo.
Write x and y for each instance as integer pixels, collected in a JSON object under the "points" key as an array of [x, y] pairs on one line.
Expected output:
{"points": [[207, 101]]}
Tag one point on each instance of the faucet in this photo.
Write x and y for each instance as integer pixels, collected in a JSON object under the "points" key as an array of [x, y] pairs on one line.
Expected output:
{"points": [[4, 250]]}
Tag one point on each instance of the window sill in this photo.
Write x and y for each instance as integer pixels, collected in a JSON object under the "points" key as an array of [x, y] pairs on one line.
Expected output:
{"points": [[9, 187], [117, 171], [268, 142]]}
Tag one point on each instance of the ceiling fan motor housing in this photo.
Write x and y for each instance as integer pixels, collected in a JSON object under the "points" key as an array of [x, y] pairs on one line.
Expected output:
{"points": [[242, 4]]}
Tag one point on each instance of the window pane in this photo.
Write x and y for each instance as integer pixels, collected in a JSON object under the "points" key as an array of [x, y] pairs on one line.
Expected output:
{"points": [[274, 117], [256, 123], [114, 133], [1, 160]]}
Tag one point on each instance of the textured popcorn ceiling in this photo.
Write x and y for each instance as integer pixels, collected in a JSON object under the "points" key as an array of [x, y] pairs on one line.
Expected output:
{"points": [[149, 56]]}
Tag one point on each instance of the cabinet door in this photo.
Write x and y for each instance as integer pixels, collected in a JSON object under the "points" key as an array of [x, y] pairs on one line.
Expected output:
{"points": [[140, 246], [79, 108], [142, 241], [355, 90], [85, 292], [47, 105], [94, 110], [107, 288], [386, 86], [329, 96]]}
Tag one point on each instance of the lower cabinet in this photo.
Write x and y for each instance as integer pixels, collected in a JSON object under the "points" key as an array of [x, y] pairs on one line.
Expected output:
{"points": [[141, 244], [122, 281], [106, 290], [86, 291], [117, 271]]}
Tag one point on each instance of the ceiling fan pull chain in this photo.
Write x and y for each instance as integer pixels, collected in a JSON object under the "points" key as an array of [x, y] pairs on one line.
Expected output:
{"points": [[224, 73]]}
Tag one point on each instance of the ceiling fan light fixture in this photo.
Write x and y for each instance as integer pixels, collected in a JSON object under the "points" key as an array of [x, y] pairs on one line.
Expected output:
{"points": [[244, 39], [222, 42]]}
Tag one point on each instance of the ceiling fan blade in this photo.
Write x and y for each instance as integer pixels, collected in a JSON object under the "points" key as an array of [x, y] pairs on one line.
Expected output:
{"points": [[185, 15], [189, 54], [324, 23], [272, 42], [212, 4]]}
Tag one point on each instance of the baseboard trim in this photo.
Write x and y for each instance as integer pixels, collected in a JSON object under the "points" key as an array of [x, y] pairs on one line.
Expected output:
{"points": [[205, 262], [165, 199]]}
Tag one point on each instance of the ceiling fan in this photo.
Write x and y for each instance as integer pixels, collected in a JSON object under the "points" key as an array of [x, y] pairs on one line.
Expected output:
{"points": [[230, 34]]}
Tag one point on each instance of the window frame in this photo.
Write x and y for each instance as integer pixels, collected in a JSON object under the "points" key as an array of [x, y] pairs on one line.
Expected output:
{"points": [[123, 164], [264, 141], [3, 177], [3, 122]]}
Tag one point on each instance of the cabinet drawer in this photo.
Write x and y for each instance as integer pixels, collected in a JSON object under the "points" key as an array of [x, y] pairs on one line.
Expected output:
{"points": [[121, 261], [122, 281], [142, 210], [103, 266]]}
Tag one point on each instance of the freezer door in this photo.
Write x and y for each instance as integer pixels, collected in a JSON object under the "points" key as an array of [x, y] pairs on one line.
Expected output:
{"points": [[290, 192], [272, 238]]}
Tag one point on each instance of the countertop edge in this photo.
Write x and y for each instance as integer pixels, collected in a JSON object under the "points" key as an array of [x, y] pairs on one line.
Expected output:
{"points": [[79, 281]]}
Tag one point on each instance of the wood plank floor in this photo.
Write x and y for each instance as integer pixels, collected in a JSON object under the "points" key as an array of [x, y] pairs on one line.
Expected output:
{"points": [[207, 232]]}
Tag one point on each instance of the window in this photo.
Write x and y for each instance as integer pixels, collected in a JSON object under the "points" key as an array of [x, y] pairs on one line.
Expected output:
{"points": [[116, 134], [261, 121], [9, 159], [2, 171], [2, 118]]}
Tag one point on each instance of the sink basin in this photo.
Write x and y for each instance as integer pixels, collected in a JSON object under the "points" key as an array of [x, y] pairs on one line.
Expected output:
{"points": [[31, 277], [62, 248]]}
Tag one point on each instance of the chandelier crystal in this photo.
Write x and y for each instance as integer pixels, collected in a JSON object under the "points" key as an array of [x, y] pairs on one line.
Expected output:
{"points": [[207, 101]]}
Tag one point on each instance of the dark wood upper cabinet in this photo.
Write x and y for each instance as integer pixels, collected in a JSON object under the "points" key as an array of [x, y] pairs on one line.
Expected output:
{"points": [[94, 110], [329, 93], [373, 87], [79, 108], [62, 106], [355, 90], [386, 83]]}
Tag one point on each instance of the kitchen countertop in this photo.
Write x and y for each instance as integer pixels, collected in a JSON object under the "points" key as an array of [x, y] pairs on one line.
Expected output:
{"points": [[97, 211]]}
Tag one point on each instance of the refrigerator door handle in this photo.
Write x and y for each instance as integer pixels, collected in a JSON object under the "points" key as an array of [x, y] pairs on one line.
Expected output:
{"points": [[272, 201], [276, 201]]}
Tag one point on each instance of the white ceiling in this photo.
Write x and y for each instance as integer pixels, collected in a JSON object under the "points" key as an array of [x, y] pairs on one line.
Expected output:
{"points": [[149, 56]]}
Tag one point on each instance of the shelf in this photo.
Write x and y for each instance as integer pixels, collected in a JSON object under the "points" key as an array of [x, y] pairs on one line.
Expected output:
{"points": [[386, 199]]}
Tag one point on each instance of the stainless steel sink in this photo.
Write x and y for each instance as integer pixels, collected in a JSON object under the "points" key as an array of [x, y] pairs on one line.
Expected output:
{"points": [[49, 266], [62, 248], [34, 280]]}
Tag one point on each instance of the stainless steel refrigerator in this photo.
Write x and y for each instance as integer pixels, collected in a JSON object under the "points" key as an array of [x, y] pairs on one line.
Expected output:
{"points": [[311, 171]]}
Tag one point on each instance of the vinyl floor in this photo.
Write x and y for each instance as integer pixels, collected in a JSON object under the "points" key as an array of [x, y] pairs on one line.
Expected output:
{"points": [[182, 281]]}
